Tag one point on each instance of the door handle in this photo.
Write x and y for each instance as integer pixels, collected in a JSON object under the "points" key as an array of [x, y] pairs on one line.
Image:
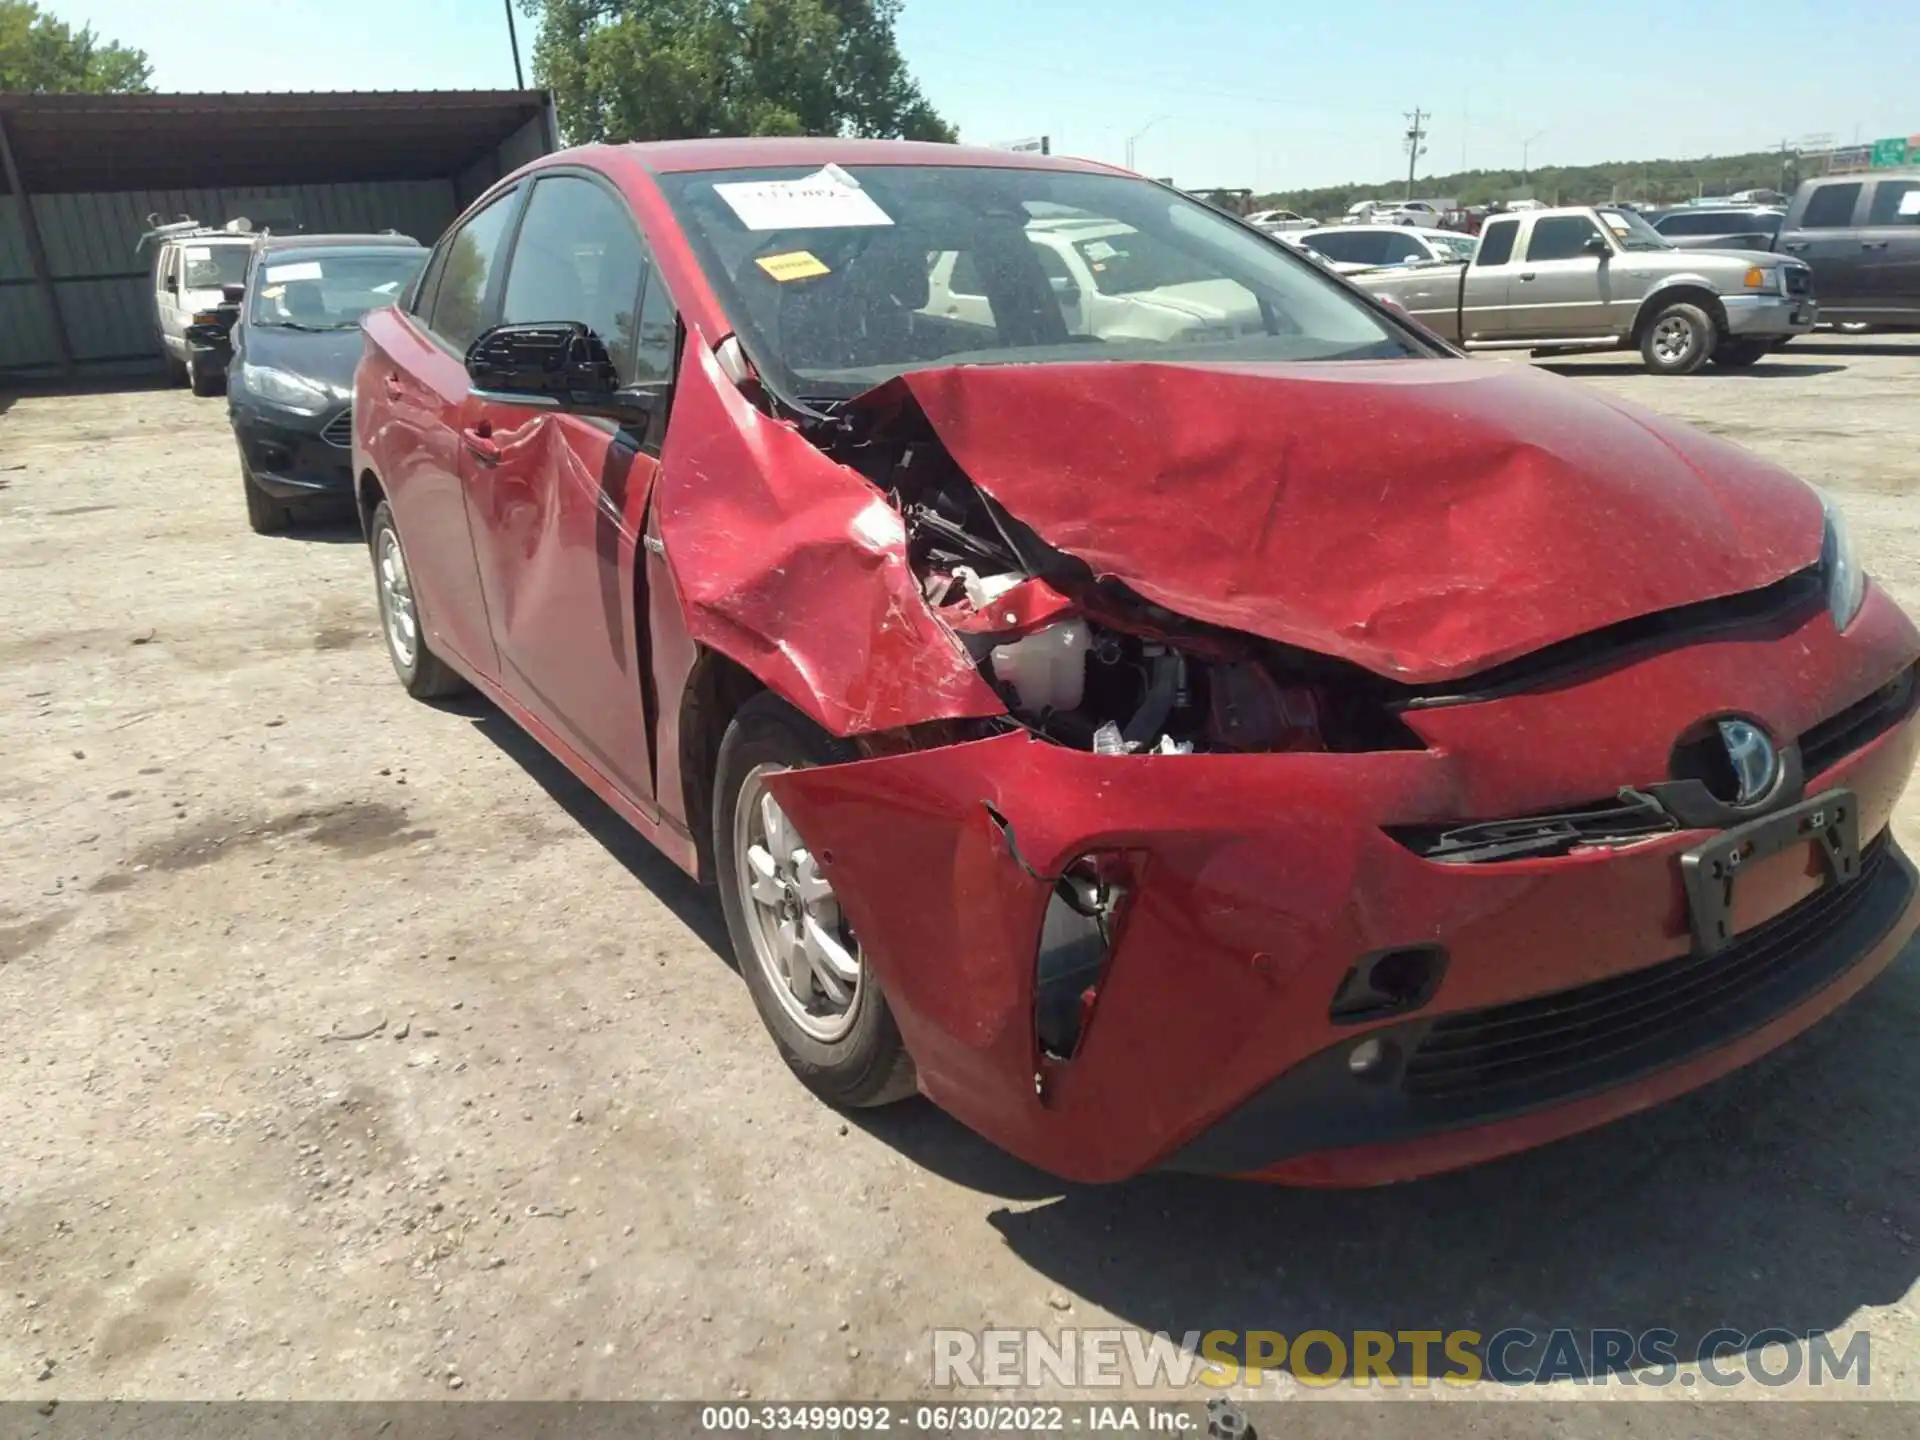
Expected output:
{"points": [[1873, 244], [481, 445], [1796, 245], [1526, 274]]}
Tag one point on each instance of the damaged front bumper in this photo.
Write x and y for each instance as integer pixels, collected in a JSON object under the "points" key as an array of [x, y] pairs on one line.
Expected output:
{"points": [[1258, 883]]}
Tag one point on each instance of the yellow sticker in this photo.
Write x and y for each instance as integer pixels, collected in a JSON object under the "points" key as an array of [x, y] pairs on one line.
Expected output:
{"points": [[794, 265]]}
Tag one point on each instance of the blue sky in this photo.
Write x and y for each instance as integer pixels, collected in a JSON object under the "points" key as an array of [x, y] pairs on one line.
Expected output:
{"points": [[1238, 92]]}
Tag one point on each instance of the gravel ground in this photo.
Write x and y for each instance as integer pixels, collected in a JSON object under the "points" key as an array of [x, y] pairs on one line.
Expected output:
{"points": [[358, 1051]]}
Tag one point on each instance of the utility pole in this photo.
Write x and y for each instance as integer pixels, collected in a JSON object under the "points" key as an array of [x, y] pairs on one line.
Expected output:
{"points": [[1415, 131], [513, 39]]}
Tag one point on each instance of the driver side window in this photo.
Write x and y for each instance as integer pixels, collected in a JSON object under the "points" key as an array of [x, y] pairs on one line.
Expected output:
{"points": [[579, 258]]}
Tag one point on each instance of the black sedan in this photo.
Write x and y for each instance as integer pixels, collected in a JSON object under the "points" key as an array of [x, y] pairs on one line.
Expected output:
{"points": [[295, 345]]}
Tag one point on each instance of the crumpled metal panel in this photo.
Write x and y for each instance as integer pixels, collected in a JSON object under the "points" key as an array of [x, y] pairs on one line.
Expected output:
{"points": [[796, 568], [1422, 520]]}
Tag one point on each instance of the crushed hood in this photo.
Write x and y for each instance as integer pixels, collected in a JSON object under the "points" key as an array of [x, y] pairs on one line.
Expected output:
{"points": [[1423, 519]]}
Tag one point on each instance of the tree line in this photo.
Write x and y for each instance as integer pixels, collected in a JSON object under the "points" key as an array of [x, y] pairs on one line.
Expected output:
{"points": [[1651, 181]]}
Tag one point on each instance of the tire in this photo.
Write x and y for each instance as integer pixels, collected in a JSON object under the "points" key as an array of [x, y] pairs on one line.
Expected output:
{"points": [[1738, 354], [1678, 340], [177, 373], [424, 674], [203, 384], [849, 1055], [265, 514]]}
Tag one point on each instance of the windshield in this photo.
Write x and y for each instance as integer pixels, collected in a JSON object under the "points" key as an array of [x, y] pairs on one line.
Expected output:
{"points": [[1462, 246], [1632, 232], [329, 289], [209, 267], [842, 285]]}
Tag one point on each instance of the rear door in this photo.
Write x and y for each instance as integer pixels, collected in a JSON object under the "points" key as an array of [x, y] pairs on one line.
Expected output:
{"points": [[558, 501], [425, 404], [1890, 251], [166, 300], [1561, 291], [1824, 235]]}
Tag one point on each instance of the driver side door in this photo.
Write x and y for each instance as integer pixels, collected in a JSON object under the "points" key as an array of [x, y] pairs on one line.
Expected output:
{"points": [[557, 501]]}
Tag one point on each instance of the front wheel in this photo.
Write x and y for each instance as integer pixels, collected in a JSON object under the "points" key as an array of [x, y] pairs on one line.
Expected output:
{"points": [[1738, 354], [1678, 340], [424, 674], [810, 981], [265, 514]]}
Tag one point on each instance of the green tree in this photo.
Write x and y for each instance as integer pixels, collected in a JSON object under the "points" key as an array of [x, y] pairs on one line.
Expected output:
{"points": [[43, 55], [676, 69]]}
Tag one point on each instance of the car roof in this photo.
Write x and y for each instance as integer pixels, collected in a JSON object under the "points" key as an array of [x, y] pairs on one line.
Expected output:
{"points": [[390, 240], [757, 152]]}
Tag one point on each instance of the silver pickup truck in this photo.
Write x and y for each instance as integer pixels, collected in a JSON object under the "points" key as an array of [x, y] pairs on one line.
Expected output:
{"points": [[1577, 278]]}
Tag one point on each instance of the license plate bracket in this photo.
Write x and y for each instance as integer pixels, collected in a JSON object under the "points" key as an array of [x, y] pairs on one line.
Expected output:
{"points": [[1830, 822]]}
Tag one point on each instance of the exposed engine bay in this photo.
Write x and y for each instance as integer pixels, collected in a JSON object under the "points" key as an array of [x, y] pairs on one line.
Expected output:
{"points": [[1082, 660]]}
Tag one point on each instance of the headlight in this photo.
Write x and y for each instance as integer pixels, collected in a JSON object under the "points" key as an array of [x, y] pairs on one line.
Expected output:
{"points": [[1846, 581], [1764, 278], [283, 387]]}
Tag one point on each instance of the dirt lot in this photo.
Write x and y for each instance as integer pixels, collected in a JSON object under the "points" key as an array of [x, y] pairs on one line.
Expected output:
{"points": [[356, 1050]]}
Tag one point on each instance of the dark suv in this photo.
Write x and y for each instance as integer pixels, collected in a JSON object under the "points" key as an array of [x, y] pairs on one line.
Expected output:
{"points": [[1707, 227], [1861, 235]]}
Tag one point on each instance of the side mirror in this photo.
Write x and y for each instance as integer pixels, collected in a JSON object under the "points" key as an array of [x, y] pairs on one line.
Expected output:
{"points": [[1597, 245], [1064, 290], [564, 365]]}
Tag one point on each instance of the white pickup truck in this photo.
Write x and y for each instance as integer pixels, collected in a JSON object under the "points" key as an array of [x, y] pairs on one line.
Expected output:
{"points": [[1580, 278]]}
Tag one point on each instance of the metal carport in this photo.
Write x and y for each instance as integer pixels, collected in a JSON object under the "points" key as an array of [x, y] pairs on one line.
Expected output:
{"points": [[82, 173]]}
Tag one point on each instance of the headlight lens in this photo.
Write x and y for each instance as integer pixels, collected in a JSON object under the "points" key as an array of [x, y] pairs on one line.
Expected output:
{"points": [[1846, 581], [283, 387], [1763, 278]]}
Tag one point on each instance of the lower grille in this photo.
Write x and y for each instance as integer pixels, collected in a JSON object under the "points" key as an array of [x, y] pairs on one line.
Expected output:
{"points": [[1534, 1051], [339, 430]]}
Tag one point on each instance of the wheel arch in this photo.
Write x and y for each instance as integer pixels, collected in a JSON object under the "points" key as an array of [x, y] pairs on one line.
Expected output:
{"points": [[1687, 290], [715, 689]]}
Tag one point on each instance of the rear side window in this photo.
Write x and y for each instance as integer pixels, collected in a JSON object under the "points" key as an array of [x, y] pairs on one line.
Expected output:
{"points": [[1496, 243], [578, 258], [1830, 207], [170, 268], [1896, 202], [459, 303], [1691, 223], [1560, 237], [1359, 247]]}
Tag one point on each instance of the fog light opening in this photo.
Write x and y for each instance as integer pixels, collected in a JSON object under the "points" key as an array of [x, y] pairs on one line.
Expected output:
{"points": [[1076, 942], [1388, 982]]}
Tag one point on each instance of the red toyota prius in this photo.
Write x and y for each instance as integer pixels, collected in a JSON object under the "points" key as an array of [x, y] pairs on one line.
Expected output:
{"points": [[1125, 684]]}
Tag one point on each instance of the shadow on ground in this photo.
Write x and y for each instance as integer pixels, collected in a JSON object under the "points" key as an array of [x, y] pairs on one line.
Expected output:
{"points": [[1786, 1196], [692, 904]]}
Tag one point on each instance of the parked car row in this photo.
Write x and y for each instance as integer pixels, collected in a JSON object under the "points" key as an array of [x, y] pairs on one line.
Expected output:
{"points": [[280, 338]]}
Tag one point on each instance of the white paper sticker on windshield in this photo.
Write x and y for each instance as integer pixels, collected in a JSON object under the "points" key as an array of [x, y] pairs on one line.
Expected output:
{"points": [[1910, 203], [199, 252], [1099, 250], [828, 199], [298, 270]]}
